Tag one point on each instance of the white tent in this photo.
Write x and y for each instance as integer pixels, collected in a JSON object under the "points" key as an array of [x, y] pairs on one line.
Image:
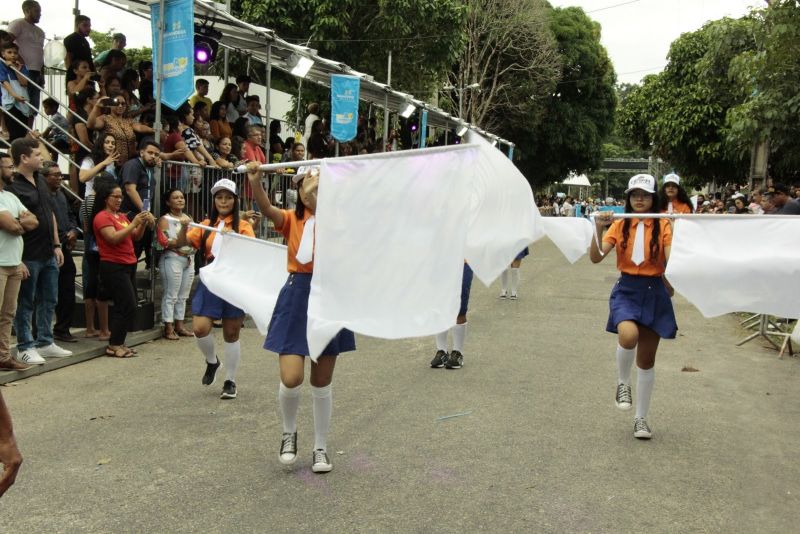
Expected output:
{"points": [[580, 181]]}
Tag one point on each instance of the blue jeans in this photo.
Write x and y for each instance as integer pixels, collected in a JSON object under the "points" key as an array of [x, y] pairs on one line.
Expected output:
{"points": [[177, 273], [41, 290]]}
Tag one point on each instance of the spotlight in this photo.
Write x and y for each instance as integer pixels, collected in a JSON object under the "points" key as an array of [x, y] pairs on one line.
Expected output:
{"points": [[300, 65], [408, 110], [206, 44], [461, 131]]}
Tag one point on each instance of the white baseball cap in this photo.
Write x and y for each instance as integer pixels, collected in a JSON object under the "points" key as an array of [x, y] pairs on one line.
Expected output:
{"points": [[301, 172], [228, 185], [645, 182], [672, 178]]}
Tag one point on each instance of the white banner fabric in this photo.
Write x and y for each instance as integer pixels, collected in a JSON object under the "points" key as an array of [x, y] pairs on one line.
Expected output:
{"points": [[737, 265], [249, 273]]}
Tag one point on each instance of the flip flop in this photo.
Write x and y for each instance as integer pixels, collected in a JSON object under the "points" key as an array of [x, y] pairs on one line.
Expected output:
{"points": [[103, 338], [132, 351], [121, 352], [93, 334], [185, 333], [172, 336]]}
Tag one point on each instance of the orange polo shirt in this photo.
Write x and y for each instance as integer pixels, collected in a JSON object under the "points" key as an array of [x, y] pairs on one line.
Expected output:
{"points": [[648, 267], [194, 235], [679, 207], [292, 230]]}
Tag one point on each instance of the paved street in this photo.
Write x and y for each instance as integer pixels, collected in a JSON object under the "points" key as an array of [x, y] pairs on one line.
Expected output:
{"points": [[537, 445]]}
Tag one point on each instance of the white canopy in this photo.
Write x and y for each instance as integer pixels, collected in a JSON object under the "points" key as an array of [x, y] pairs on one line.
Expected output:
{"points": [[254, 40], [580, 181]]}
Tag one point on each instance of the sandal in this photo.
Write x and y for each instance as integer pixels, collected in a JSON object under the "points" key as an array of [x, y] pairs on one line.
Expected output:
{"points": [[120, 352], [185, 333], [132, 351], [91, 334]]}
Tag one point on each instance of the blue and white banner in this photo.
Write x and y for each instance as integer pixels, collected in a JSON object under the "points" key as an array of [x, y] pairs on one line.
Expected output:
{"points": [[423, 128], [344, 107], [177, 50]]}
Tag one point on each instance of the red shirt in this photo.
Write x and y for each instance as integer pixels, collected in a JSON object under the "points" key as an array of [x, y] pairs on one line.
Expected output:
{"points": [[122, 252]]}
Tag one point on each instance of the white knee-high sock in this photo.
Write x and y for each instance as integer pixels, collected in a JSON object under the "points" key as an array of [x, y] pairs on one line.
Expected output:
{"points": [[206, 346], [289, 400], [459, 333], [504, 281], [441, 341], [624, 364], [233, 353], [323, 407], [514, 279], [645, 378]]}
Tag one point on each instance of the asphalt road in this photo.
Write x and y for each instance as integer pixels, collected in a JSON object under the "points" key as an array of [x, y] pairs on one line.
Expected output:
{"points": [[536, 444]]}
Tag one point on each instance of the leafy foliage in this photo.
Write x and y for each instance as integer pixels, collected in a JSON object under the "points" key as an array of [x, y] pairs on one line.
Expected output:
{"points": [[579, 113]]}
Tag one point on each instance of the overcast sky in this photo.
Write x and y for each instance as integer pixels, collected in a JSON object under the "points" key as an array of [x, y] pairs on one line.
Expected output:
{"points": [[637, 33]]}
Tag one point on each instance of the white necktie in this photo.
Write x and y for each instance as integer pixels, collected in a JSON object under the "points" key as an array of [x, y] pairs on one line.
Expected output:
{"points": [[217, 244], [669, 208], [637, 256], [305, 252]]}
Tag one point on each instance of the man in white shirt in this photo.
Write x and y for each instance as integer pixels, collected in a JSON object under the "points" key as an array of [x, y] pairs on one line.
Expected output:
{"points": [[313, 116], [30, 40]]}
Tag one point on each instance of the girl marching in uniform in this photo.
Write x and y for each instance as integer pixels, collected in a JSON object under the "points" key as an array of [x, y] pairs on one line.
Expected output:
{"points": [[455, 358], [206, 306], [640, 307], [287, 328], [513, 272], [672, 197]]}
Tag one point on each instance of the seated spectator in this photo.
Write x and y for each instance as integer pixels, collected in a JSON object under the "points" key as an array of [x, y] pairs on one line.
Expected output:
{"points": [[755, 202], [220, 127], [778, 196], [276, 147], [115, 235], [108, 116], [114, 64], [254, 110], [201, 111], [56, 132], [146, 82], [129, 81], [103, 159], [118, 42], [740, 205], [83, 77], [253, 150], [224, 156], [200, 94], [15, 98], [229, 99], [196, 153], [241, 127]]}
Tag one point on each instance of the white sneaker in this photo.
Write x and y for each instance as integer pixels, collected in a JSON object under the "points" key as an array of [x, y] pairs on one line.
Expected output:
{"points": [[53, 351], [503, 295], [29, 357]]}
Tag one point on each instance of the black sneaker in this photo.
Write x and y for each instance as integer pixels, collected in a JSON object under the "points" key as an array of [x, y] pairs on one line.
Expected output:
{"points": [[455, 361], [228, 390], [624, 398], [641, 429], [288, 453], [439, 360], [320, 462], [211, 373]]}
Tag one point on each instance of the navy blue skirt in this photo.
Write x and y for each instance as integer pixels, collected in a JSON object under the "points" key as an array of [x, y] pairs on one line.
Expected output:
{"points": [[466, 285], [644, 300], [522, 254], [207, 304], [287, 328]]}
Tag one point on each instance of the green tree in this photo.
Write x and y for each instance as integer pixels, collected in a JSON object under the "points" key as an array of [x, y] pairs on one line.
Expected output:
{"points": [[579, 113], [511, 55], [769, 75], [681, 112]]}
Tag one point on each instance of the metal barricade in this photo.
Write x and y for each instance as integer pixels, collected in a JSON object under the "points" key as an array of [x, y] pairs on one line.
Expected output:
{"points": [[196, 183]]}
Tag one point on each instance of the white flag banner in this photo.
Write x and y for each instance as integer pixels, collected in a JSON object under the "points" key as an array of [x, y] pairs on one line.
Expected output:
{"points": [[394, 230], [744, 264], [572, 235], [249, 273]]}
